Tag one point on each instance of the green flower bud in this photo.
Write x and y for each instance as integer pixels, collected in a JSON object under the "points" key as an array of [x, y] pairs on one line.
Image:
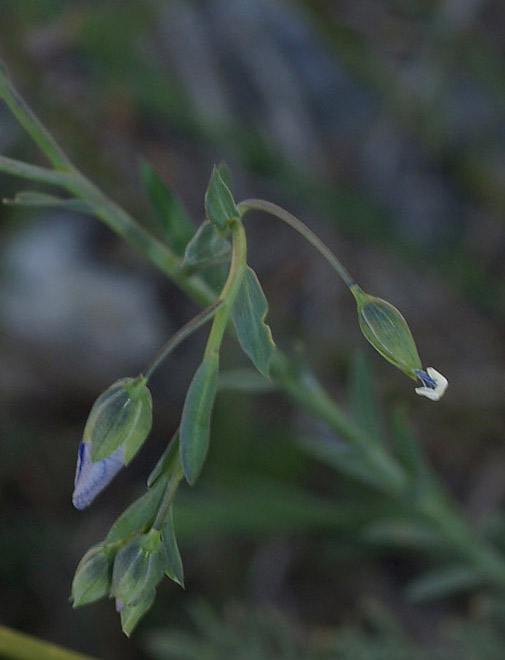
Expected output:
{"points": [[138, 568], [386, 329], [93, 576], [120, 417]]}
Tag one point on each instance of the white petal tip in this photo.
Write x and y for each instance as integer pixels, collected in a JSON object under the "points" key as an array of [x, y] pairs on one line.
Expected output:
{"points": [[435, 384]]}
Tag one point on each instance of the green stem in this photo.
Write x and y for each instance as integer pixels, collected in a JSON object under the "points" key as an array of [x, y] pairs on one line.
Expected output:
{"points": [[33, 125], [18, 646], [34, 173], [169, 495], [186, 330], [301, 228], [230, 289]]}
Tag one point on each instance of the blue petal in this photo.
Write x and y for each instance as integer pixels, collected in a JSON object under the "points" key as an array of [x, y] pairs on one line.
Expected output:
{"points": [[91, 478]]}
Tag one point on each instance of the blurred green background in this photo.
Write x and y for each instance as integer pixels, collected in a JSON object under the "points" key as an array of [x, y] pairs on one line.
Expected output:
{"points": [[378, 122]]}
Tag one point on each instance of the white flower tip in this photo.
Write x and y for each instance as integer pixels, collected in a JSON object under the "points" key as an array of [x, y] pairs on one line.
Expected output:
{"points": [[434, 384]]}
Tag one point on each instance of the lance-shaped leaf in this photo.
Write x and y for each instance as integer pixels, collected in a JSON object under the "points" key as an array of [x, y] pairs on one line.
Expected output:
{"points": [[196, 416], [205, 249], [219, 203], [249, 312], [173, 218], [35, 198], [139, 515], [120, 417], [173, 566]]}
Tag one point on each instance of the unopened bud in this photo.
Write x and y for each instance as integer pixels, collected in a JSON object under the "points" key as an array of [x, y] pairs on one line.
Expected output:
{"points": [[120, 417], [92, 578], [386, 329], [138, 567]]}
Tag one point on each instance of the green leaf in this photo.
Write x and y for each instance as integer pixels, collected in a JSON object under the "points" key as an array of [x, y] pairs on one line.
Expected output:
{"points": [[35, 198], [408, 448], [366, 411], [121, 416], [138, 515], [249, 312], [443, 582], [387, 331], [173, 567], [167, 461], [173, 218], [205, 249], [92, 578], [196, 415], [219, 203]]}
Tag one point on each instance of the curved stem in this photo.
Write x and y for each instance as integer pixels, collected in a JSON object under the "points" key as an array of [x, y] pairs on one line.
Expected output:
{"points": [[301, 228], [230, 289], [186, 330]]}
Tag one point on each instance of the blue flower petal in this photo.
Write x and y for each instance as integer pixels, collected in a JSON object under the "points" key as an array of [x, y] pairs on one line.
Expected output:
{"points": [[91, 478]]}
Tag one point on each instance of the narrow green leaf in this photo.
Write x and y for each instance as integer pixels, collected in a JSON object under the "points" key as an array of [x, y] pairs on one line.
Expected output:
{"points": [[205, 249], [138, 515], [167, 461], [249, 312], [443, 582], [196, 416], [173, 567], [35, 198], [408, 448], [173, 218], [366, 411], [219, 203]]}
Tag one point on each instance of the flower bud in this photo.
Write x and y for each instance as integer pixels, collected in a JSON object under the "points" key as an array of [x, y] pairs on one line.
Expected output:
{"points": [[120, 417], [138, 567], [92, 578], [132, 613], [386, 329], [91, 478]]}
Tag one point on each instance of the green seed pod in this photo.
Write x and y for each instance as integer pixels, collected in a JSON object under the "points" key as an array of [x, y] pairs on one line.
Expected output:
{"points": [[92, 578], [120, 417], [138, 568], [386, 329]]}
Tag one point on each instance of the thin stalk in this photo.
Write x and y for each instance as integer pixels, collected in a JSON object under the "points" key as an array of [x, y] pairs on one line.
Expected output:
{"points": [[33, 125], [301, 228], [230, 289], [18, 646], [34, 172], [186, 330], [169, 495]]}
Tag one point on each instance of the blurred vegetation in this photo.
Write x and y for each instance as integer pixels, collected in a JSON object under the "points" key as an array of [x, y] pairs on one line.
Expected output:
{"points": [[396, 157]]}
